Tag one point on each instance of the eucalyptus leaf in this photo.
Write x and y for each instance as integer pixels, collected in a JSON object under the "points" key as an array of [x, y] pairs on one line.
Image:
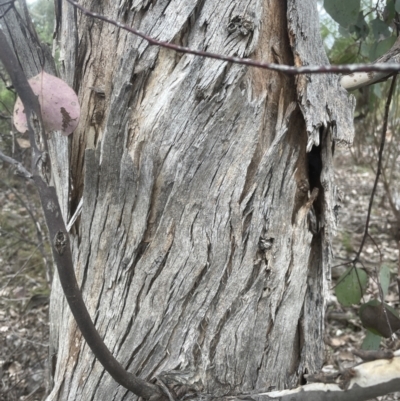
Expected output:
{"points": [[377, 49], [58, 102], [397, 6], [344, 12], [384, 279], [377, 91], [360, 28], [371, 341], [343, 32], [390, 10], [380, 29], [351, 286], [375, 316]]}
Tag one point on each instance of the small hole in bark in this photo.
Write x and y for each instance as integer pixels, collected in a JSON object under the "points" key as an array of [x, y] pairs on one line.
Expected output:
{"points": [[314, 167], [303, 380]]}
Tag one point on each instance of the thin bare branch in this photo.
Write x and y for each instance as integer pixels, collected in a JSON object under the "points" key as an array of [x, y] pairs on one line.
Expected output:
{"points": [[379, 167], [20, 169], [386, 67]]}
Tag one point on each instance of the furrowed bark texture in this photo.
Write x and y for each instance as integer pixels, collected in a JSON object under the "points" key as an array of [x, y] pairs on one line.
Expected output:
{"points": [[194, 249]]}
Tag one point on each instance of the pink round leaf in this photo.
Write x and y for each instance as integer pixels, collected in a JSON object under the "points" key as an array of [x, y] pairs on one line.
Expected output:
{"points": [[58, 102]]}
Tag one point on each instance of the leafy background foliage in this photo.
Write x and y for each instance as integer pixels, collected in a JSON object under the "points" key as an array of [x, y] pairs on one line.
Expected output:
{"points": [[361, 31], [42, 12]]}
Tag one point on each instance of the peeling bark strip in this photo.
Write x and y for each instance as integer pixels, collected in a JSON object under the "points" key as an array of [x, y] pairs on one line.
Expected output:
{"points": [[325, 105]]}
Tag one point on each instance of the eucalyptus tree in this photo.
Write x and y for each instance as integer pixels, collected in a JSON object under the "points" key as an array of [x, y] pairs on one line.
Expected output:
{"points": [[198, 194]]}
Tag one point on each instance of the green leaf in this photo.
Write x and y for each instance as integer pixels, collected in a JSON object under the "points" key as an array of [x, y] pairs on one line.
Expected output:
{"points": [[351, 286], [397, 6], [344, 51], [380, 29], [377, 91], [390, 10], [343, 32], [384, 279], [348, 57], [360, 28], [379, 48], [344, 12], [364, 51], [375, 318], [371, 341]]}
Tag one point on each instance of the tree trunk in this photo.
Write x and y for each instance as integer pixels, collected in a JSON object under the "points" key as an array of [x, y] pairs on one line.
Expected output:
{"points": [[201, 255]]}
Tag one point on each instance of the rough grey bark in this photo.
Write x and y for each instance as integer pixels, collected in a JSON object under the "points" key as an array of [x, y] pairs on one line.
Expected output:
{"points": [[194, 248]]}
